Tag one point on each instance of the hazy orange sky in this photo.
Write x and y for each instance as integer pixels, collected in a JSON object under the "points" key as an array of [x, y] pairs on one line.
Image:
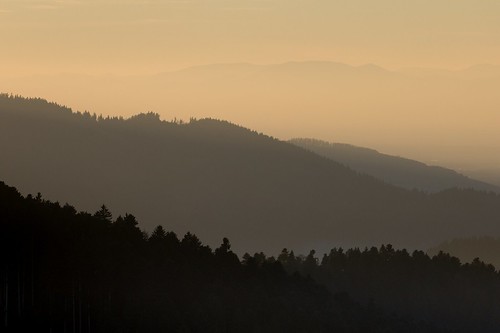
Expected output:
{"points": [[149, 36], [102, 56]]}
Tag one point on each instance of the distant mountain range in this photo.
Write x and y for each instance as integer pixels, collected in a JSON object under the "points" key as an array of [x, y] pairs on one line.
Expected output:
{"points": [[481, 71], [394, 170], [209, 176], [420, 113]]}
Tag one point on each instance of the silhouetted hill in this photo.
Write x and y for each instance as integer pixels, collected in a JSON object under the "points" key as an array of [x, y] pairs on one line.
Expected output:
{"points": [[467, 249], [491, 175], [209, 176], [68, 271], [394, 170], [426, 107], [64, 271]]}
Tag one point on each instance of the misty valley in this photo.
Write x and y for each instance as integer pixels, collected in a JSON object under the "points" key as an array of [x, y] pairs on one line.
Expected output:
{"points": [[112, 224], [249, 166]]}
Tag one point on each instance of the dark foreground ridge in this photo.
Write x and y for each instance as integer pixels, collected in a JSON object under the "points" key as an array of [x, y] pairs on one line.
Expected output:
{"points": [[213, 177], [64, 271]]}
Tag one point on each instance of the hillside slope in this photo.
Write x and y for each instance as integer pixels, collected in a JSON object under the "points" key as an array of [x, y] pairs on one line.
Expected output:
{"points": [[309, 99], [63, 269], [394, 170], [207, 176], [467, 249]]}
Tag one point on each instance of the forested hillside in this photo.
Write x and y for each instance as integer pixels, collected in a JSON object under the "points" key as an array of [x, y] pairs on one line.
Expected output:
{"points": [[394, 170], [64, 271], [209, 176]]}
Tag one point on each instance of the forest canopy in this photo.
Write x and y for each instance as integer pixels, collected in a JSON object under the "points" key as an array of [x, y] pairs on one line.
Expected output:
{"points": [[69, 271]]}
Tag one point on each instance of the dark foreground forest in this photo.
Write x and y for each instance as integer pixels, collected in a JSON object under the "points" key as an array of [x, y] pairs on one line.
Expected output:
{"points": [[65, 271]]}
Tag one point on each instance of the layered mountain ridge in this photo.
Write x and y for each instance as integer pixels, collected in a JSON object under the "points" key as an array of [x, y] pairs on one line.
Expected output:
{"points": [[208, 175], [395, 170]]}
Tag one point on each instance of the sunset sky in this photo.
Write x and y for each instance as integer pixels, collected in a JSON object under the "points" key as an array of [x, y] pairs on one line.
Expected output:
{"points": [[149, 36], [103, 55]]}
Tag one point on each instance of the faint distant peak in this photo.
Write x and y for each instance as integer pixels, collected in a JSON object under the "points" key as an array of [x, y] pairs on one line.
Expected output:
{"points": [[236, 66], [311, 63], [211, 71], [328, 66], [482, 70], [217, 66], [425, 71], [291, 67], [472, 72], [372, 67], [482, 67]]}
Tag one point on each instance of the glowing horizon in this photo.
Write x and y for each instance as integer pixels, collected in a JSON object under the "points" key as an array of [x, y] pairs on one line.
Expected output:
{"points": [[103, 56], [138, 36]]}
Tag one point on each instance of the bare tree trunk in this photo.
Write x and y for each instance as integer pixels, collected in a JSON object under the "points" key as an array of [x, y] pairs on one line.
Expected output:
{"points": [[80, 305], [74, 310], [65, 313], [33, 275], [88, 317], [19, 293], [23, 288], [6, 296]]}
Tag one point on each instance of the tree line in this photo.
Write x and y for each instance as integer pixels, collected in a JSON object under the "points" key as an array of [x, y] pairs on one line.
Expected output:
{"points": [[68, 271]]}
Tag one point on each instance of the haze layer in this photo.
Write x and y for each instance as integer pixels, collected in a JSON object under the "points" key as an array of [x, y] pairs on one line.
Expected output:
{"points": [[432, 115]]}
